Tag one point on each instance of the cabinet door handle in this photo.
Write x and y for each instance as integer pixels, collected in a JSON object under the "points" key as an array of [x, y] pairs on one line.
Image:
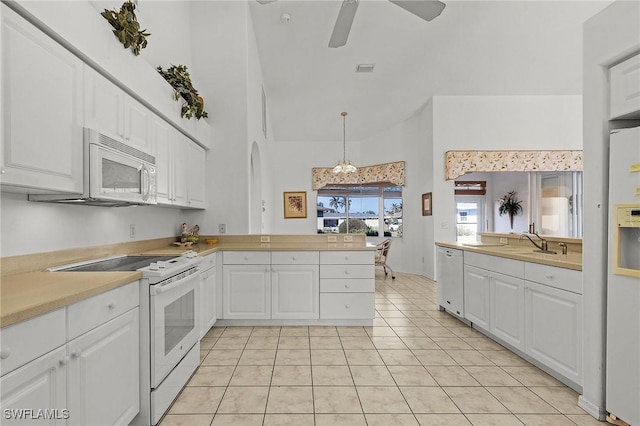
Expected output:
{"points": [[550, 276], [346, 286], [111, 306], [293, 258], [5, 352], [246, 258], [76, 353], [346, 306], [346, 272], [63, 361], [346, 258]]}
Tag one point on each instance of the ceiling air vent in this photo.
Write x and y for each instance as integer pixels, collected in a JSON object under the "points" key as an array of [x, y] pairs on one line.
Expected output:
{"points": [[365, 67]]}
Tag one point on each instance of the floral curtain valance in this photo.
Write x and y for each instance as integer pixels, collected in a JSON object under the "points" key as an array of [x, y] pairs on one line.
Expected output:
{"points": [[457, 163], [381, 173]]}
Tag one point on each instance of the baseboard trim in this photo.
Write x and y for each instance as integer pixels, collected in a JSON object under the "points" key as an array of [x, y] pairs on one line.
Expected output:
{"points": [[595, 411]]}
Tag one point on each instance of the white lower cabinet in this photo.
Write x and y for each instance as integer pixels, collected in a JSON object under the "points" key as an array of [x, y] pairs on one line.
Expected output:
{"points": [[103, 373], [208, 294], [92, 379], [303, 285], [533, 308], [295, 291], [507, 309], [554, 328], [40, 384], [246, 292], [476, 296], [347, 285]]}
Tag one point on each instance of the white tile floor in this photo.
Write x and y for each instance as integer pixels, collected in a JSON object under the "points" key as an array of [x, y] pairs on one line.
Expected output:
{"points": [[415, 366]]}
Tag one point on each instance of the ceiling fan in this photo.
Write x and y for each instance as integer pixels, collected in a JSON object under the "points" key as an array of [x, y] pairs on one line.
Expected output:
{"points": [[425, 9]]}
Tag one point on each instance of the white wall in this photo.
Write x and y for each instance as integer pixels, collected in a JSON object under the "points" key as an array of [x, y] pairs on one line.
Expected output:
{"points": [[609, 37], [496, 123]]}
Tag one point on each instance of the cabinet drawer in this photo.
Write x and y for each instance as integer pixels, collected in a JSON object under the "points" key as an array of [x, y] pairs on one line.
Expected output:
{"points": [[561, 278], [88, 314], [295, 258], [347, 271], [347, 306], [27, 340], [347, 257], [246, 258], [501, 265], [356, 285], [208, 262]]}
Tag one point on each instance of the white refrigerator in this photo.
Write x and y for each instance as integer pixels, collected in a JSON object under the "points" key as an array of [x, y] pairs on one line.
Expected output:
{"points": [[623, 285]]}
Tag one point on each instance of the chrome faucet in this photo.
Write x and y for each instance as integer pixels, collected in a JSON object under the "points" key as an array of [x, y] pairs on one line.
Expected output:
{"points": [[543, 247]]}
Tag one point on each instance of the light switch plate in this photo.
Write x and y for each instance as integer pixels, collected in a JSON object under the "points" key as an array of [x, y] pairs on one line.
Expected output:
{"points": [[348, 238], [265, 239], [332, 239], [504, 240]]}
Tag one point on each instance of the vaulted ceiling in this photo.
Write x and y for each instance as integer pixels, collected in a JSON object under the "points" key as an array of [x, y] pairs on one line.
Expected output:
{"points": [[474, 48]]}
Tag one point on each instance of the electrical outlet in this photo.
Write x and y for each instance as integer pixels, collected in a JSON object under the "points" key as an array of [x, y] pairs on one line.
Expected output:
{"points": [[222, 228], [504, 240], [332, 239], [132, 230], [265, 239], [348, 238]]}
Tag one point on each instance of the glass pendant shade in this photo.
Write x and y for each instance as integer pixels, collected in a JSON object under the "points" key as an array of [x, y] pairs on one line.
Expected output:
{"points": [[345, 166]]}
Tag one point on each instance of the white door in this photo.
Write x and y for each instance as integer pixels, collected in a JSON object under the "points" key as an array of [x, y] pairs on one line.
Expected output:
{"points": [[469, 217], [104, 373], [246, 292], [40, 384], [180, 164], [476, 296], [163, 134], [507, 309], [295, 292]]}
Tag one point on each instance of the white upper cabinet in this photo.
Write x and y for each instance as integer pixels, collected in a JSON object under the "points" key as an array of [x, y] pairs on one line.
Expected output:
{"points": [[625, 89], [41, 111], [196, 175], [108, 109], [180, 167]]}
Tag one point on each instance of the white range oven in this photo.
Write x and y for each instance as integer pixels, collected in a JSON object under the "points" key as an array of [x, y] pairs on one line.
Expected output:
{"points": [[169, 333]]}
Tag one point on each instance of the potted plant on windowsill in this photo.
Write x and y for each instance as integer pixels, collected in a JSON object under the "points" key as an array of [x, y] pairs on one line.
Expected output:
{"points": [[509, 204]]}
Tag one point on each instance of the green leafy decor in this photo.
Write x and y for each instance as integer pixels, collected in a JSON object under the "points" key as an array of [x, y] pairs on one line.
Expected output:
{"points": [[126, 27], [178, 77], [509, 204]]}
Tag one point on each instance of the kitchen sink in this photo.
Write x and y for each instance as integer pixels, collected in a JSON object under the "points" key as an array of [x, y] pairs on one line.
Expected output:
{"points": [[117, 263]]}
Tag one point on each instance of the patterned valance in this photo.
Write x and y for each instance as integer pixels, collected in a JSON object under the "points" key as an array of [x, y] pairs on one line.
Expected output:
{"points": [[457, 163], [381, 173]]}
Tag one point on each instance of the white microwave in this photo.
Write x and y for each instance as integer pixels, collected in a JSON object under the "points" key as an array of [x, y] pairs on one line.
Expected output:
{"points": [[115, 174]]}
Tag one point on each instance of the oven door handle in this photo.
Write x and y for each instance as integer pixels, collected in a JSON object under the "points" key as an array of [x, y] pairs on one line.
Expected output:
{"points": [[157, 289]]}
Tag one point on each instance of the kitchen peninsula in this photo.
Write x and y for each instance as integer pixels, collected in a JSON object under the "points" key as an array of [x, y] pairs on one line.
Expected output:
{"points": [[344, 267], [526, 300]]}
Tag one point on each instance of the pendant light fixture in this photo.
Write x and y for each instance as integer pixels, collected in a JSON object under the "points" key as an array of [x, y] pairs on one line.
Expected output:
{"points": [[344, 167]]}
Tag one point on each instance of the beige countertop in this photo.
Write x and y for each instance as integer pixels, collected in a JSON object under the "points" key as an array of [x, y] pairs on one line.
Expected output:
{"points": [[31, 293], [571, 260]]}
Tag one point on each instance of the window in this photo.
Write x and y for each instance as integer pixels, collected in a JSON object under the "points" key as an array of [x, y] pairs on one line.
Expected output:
{"points": [[373, 210]]}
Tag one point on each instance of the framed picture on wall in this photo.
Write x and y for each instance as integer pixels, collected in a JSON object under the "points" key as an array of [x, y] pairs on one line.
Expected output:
{"points": [[426, 204], [295, 205]]}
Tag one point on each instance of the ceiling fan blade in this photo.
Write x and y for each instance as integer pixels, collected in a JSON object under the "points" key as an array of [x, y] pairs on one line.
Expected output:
{"points": [[425, 9], [265, 1], [343, 23]]}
